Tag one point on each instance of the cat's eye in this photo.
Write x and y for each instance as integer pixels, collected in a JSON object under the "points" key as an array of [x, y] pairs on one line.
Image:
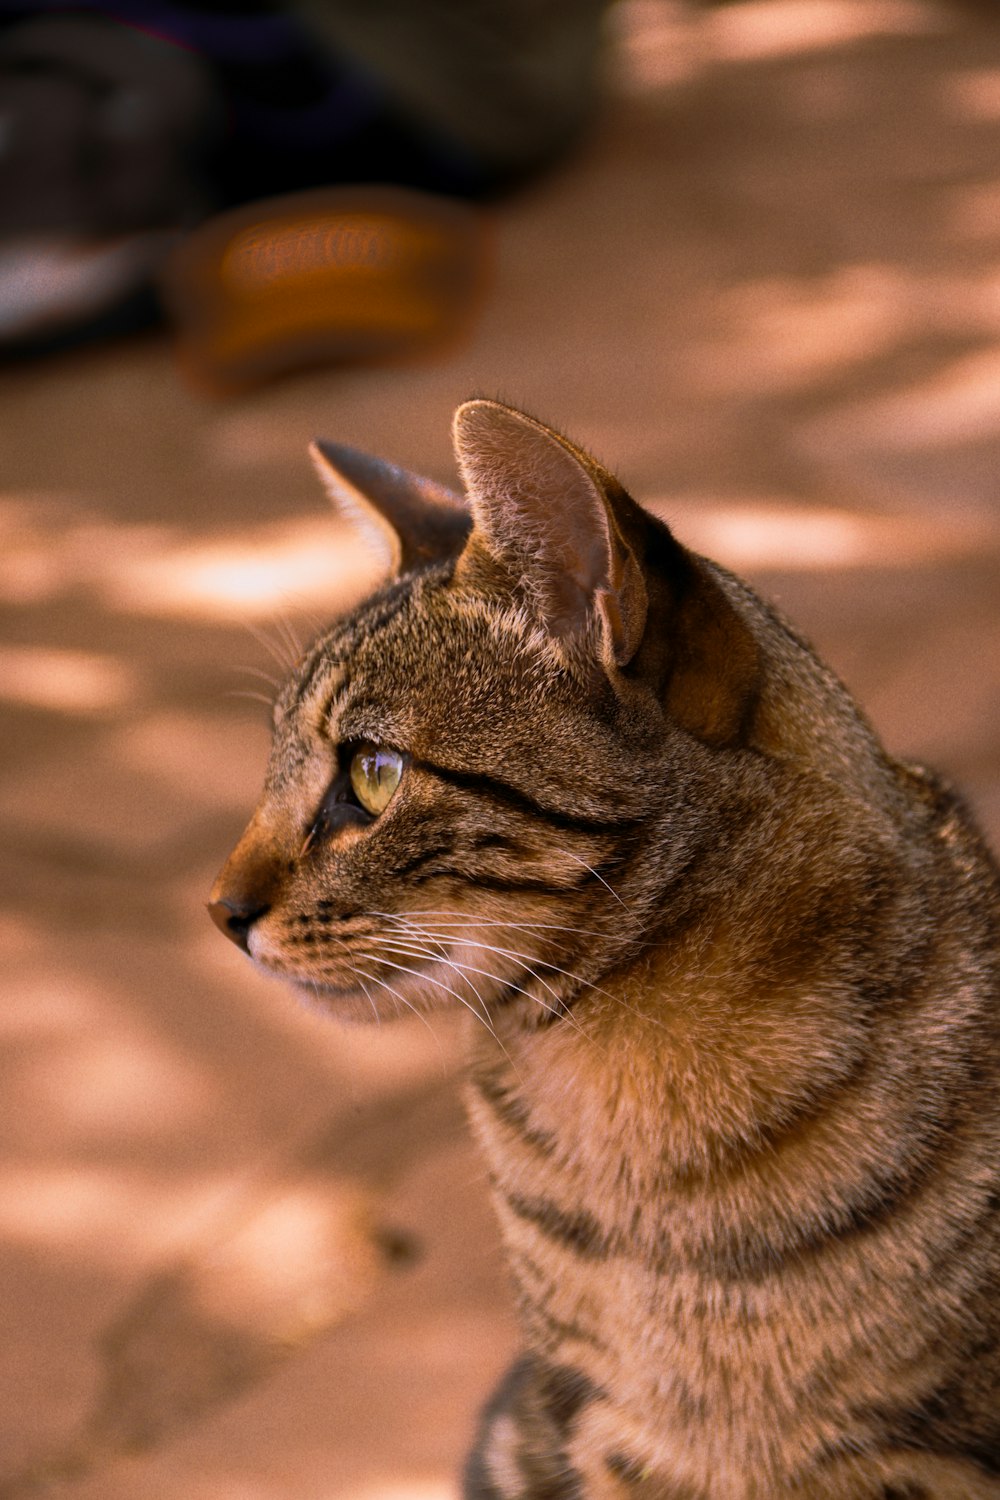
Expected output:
{"points": [[375, 775]]}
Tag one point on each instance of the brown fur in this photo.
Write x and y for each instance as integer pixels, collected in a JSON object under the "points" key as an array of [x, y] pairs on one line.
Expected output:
{"points": [[734, 984]]}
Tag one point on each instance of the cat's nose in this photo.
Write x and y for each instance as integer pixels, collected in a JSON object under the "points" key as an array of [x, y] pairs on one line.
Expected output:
{"points": [[235, 919], [248, 885]]}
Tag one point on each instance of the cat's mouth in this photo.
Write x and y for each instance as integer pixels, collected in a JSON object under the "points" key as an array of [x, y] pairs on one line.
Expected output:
{"points": [[384, 986], [397, 968], [371, 997], [367, 985]]}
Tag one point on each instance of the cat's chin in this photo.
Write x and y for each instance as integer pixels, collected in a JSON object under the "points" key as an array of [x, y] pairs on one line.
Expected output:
{"points": [[341, 1003], [352, 1007]]}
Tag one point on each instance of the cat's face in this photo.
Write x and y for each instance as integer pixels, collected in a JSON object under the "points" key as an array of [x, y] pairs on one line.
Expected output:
{"points": [[440, 803], [464, 775]]}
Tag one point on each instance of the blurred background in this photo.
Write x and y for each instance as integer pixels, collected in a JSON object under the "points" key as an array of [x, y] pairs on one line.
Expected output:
{"points": [[747, 253]]}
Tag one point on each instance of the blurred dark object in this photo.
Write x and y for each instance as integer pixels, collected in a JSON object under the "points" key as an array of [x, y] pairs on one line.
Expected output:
{"points": [[321, 277], [102, 127], [123, 126]]}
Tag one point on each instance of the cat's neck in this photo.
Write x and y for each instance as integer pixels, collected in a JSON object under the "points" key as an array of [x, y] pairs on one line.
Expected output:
{"points": [[680, 1075]]}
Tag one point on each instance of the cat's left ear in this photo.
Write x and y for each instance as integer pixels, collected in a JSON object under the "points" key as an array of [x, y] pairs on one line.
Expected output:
{"points": [[543, 511], [407, 520]]}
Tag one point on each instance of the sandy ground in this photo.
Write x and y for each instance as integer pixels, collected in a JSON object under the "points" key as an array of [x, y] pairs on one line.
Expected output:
{"points": [[246, 1254]]}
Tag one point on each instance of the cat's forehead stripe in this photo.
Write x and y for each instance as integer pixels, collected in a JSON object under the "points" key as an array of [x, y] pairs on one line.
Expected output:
{"points": [[329, 682], [320, 670], [325, 674], [340, 643]]}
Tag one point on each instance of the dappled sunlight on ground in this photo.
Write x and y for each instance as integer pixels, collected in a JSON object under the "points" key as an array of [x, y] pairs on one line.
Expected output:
{"points": [[301, 564], [106, 1213], [974, 94], [297, 1264], [787, 334], [758, 535], [66, 681], [957, 404], [99, 1088], [401, 1487], [761, 29], [283, 575], [662, 43]]}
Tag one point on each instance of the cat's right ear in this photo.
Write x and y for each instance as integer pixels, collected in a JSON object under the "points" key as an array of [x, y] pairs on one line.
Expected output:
{"points": [[408, 521], [544, 513]]}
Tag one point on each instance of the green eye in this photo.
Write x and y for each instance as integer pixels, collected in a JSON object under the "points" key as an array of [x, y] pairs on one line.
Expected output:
{"points": [[375, 775]]}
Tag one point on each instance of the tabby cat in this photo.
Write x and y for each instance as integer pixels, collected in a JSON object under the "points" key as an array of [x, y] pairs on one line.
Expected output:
{"points": [[733, 977]]}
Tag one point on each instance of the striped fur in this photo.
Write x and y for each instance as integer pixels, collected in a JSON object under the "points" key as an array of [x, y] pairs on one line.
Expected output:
{"points": [[733, 984]]}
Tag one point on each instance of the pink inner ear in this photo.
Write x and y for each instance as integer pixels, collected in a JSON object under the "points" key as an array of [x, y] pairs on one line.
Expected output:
{"points": [[531, 495], [540, 507]]}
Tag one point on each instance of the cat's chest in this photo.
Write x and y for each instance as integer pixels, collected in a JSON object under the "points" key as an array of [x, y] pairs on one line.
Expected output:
{"points": [[577, 1179], [603, 1255], [562, 1128]]}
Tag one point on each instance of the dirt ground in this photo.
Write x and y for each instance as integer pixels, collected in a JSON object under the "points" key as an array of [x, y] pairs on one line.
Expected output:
{"points": [[246, 1254]]}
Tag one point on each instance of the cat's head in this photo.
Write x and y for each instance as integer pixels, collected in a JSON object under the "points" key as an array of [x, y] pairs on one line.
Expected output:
{"points": [[485, 778]]}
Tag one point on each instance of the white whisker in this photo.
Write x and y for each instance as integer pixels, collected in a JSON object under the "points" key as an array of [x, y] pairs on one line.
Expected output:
{"points": [[361, 977], [276, 650], [577, 860], [391, 990], [528, 959], [274, 682], [560, 1009], [251, 696], [419, 974], [289, 635], [395, 946], [450, 919]]}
